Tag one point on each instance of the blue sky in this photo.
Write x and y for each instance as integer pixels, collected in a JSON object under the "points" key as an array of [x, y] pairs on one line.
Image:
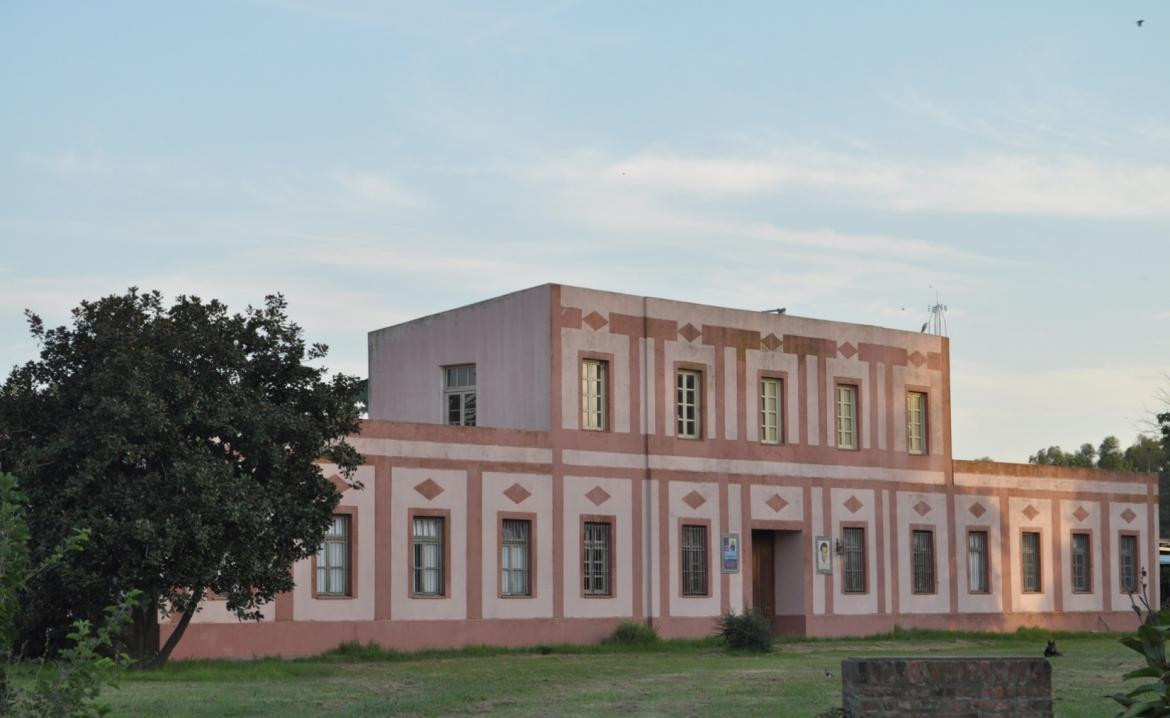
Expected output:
{"points": [[378, 161]]}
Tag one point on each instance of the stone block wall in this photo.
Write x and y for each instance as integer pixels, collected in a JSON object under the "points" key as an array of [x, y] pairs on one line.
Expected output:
{"points": [[947, 687]]}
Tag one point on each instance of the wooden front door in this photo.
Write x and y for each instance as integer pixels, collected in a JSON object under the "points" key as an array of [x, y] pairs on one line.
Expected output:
{"points": [[764, 573]]}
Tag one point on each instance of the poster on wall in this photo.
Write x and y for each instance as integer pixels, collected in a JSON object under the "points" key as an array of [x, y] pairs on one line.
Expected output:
{"points": [[729, 553], [823, 554]]}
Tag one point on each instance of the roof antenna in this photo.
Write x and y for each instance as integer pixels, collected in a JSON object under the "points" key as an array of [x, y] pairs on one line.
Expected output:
{"points": [[937, 324]]}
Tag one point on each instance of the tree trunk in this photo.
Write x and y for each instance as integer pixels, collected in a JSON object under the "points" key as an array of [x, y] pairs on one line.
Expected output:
{"points": [[173, 640], [143, 639]]}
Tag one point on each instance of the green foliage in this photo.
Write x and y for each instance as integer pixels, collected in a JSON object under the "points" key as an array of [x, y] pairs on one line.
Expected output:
{"points": [[632, 633], [184, 439], [1145, 454], [69, 686], [748, 631], [1148, 699]]}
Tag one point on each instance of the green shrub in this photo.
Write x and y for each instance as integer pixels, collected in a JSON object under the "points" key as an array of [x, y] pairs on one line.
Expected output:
{"points": [[632, 633], [748, 631], [1148, 699]]}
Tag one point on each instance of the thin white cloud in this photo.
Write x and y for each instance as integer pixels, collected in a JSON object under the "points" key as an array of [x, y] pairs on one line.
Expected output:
{"points": [[376, 189]]}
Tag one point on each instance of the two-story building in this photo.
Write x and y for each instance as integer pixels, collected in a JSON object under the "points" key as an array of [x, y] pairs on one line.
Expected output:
{"points": [[542, 466]]}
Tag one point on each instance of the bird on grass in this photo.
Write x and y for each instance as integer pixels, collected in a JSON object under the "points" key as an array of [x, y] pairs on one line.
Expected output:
{"points": [[828, 674]]}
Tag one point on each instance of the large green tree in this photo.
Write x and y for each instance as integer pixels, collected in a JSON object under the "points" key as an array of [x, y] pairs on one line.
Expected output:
{"points": [[183, 438]]}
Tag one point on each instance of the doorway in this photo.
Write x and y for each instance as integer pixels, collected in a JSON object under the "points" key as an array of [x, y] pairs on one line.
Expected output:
{"points": [[778, 578]]}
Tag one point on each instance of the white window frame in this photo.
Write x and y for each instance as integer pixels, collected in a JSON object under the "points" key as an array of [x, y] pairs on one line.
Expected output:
{"points": [[916, 404], [688, 397], [333, 576], [421, 566], [459, 382], [771, 410], [594, 394], [847, 416], [597, 558], [516, 557]]}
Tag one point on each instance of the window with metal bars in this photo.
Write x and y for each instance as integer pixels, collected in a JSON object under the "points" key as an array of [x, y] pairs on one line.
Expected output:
{"points": [[853, 546], [596, 555], [427, 549], [694, 560], [687, 403], [594, 374], [846, 416], [1081, 567], [333, 559], [977, 562], [1030, 561], [1128, 568], [515, 558], [459, 394], [922, 547], [771, 423], [916, 422]]}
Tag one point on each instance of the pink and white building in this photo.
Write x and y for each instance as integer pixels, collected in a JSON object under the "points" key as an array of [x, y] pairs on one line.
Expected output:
{"points": [[542, 466]]}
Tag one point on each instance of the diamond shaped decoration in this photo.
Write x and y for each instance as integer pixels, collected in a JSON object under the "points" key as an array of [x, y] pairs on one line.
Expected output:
{"points": [[594, 320], [689, 332], [694, 500], [847, 349], [1128, 515], [853, 504], [517, 493], [1080, 514], [341, 484], [776, 503], [921, 508], [917, 359], [1031, 512], [977, 509], [429, 489], [770, 342], [597, 495]]}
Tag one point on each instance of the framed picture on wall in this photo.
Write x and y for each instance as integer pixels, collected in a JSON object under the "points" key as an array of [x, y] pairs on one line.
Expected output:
{"points": [[823, 554]]}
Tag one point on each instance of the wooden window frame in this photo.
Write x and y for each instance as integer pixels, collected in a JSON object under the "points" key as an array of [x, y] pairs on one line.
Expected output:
{"points": [[861, 526], [501, 517], [444, 553], [611, 521], [351, 512], [933, 531], [700, 403], [855, 385], [606, 362], [1039, 561], [986, 567], [705, 524], [780, 379], [925, 420]]}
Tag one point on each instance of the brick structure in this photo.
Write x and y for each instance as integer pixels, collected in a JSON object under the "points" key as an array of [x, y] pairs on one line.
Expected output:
{"points": [[938, 687]]}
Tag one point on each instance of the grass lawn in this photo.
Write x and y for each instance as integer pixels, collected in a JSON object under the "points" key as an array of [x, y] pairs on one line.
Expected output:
{"points": [[677, 678]]}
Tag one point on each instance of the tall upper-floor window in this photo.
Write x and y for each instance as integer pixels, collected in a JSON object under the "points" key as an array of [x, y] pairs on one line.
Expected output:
{"points": [[846, 416], [594, 380], [333, 559], [853, 548], [977, 562], [1127, 571], [1081, 564], [771, 421], [687, 401], [459, 394], [916, 422], [1030, 561]]}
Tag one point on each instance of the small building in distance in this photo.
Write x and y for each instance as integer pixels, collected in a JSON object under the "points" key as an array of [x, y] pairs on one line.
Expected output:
{"points": [[545, 465]]}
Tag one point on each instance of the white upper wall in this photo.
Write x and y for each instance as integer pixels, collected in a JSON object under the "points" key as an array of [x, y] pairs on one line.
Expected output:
{"points": [[507, 338]]}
